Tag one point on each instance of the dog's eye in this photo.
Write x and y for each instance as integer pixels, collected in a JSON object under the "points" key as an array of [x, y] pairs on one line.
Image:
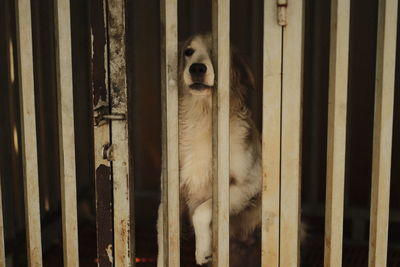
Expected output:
{"points": [[189, 52]]}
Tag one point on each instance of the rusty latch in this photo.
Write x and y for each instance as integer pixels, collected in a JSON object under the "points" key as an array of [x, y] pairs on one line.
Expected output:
{"points": [[101, 115], [282, 5]]}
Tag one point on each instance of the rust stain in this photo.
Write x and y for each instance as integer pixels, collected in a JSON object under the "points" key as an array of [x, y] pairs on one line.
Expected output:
{"points": [[104, 215], [99, 50], [123, 227], [121, 254]]}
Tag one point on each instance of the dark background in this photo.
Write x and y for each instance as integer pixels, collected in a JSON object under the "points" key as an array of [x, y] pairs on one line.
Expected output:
{"points": [[143, 41]]}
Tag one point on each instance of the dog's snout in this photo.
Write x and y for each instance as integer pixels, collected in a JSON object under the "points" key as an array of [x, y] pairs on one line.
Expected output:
{"points": [[198, 69]]}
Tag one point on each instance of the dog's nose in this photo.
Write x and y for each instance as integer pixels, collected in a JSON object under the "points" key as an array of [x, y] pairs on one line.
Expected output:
{"points": [[198, 69]]}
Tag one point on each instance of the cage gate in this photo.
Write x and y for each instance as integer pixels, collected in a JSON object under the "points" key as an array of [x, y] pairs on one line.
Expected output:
{"points": [[110, 111]]}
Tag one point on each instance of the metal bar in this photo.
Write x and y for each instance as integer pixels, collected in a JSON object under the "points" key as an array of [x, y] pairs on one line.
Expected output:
{"points": [[383, 124], [271, 135], [291, 134], [220, 139], [169, 98], [66, 132], [282, 7], [28, 131], [123, 251], [103, 182], [336, 152]]}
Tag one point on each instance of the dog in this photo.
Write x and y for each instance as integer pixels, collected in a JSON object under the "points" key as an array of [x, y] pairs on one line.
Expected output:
{"points": [[196, 85]]}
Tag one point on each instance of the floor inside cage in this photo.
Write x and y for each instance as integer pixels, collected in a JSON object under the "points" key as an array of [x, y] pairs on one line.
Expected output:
{"points": [[312, 252], [312, 248]]}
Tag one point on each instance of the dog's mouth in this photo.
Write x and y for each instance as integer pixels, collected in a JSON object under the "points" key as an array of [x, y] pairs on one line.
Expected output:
{"points": [[200, 86]]}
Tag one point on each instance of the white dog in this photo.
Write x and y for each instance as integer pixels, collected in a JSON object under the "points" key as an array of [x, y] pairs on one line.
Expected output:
{"points": [[197, 80]]}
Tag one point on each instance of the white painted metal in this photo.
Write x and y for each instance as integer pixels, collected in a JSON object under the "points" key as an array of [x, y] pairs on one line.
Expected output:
{"points": [[28, 131], [291, 134], [271, 136], [282, 5], [383, 123], [221, 59], [119, 134], [169, 97], [339, 54], [66, 133]]}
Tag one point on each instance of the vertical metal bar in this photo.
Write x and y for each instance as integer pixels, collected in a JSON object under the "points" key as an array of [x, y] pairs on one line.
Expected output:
{"points": [[220, 139], [66, 132], [336, 152], [28, 131], [2, 251], [119, 133], [169, 98], [104, 189], [291, 134], [271, 136], [383, 124]]}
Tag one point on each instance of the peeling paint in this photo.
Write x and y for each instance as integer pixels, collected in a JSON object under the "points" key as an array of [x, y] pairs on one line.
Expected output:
{"points": [[99, 52], [120, 136], [109, 252], [116, 34], [104, 214], [103, 173]]}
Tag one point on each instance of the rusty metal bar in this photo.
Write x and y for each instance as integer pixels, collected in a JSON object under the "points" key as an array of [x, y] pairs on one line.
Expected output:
{"points": [[220, 139], [291, 135], [66, 132], [170, 149], [336, 152], [271, 135], [104, 186], [124, 253], [28, 131], [383, 125]]}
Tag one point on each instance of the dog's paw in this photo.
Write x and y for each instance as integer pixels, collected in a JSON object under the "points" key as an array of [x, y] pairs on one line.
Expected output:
{"points": [[202, 257]]}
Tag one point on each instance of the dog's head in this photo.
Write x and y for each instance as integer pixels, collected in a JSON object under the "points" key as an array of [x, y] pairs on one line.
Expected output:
{"points": [[196, 69]]}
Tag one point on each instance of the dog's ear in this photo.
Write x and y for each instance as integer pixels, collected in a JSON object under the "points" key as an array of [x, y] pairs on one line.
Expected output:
{"points": [[241, 72], [242, 79]]}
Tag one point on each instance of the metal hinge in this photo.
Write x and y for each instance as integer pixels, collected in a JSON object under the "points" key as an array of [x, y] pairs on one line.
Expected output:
{"points": [[282, 5], [101, 116]]}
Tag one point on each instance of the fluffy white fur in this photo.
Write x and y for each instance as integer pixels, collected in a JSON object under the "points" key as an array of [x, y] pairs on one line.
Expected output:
{"points": [[195, 148]]}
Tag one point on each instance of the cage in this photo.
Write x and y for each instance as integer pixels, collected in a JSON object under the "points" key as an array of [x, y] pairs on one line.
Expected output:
{"points": [[81, 125]]}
